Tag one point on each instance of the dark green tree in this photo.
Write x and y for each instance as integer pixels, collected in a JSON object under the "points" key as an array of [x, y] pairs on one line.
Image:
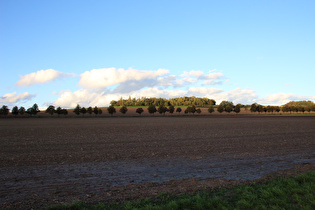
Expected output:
{"points": [[253, 107], [21, 110], [211, 109], [260, 108], [100, 111], [50, 110], [237, 108], [171, 108], [198, 110], [162, 109], [111, 110], [64, 112], [123, 109], [83, 110], [151, 109], [59, 111], [95, 110], [89, 110], [77, 109], [139, 110], [4, 110], [220, 109], [35, 109], [179, 110], [15, 110]]}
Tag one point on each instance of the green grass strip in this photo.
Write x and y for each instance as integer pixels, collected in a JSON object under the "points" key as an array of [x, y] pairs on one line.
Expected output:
{"points": [[279, 193]]}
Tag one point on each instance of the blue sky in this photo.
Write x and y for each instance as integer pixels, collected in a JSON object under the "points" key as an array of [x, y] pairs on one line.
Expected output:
{"points": [[92, 52]]}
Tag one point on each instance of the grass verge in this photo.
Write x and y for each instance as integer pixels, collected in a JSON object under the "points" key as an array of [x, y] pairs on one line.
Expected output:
{"points": [[279, 193]]}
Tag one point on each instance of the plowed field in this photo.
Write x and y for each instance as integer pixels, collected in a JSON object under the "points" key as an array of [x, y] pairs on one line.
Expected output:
{"points": [[46, 161]]}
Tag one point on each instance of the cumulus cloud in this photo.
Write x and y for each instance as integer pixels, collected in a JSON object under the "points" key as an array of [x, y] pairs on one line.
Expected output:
{"points": [[282, 98], [203, 92], [11, 98], [212, 78], [40, 77], [100, 78], [238, 95]]}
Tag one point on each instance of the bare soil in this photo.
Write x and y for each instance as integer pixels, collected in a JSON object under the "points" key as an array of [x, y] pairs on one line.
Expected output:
{"points": [[46, 161]]}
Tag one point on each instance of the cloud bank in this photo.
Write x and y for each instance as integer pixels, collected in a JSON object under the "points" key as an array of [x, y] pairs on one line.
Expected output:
{"points": [[11, 98], [40, 77], [101, 78]]}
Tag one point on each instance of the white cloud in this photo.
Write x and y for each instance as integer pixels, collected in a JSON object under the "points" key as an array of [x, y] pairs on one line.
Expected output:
{"points": [[11, 98], [238, 95], [192, 73], [212, 78], [40, 77], [100, 78], [203, 92], [214, 75], [282, 98]]}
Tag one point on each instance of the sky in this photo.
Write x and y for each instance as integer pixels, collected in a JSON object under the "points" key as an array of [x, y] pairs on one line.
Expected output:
{"points": [[65, 53]]}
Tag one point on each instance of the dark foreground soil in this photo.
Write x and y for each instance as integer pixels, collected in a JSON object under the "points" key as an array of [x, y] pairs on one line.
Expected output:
{"points": [[51, 161]]}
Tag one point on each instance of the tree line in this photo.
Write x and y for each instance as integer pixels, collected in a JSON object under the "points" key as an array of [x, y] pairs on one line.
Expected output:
{"points": [[224, 106], [180, 101]]}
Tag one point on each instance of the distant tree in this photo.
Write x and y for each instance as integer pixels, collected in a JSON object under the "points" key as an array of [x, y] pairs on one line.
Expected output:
{"points": [[151, 109], [171, 108], [29, 111], [229, 108], [193, 109], [123, 110], [253, 107], [270, 109], [35, 109], [301, 109], [277, 109], [77, 109], [264, 109], [220, 109], [211, 109], [139, 110], [89, 110], [198, 110], [260, 108], [4, 110], [111, 110], [95, 110], [179, 110], [21, 110], [162, 109], [59, 111], [50, 110], [83, 110], [237, 108], [100, 111], [64, 112], [15, 111]]}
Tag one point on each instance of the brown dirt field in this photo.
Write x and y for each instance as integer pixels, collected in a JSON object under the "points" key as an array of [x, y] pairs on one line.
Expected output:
{"points": [[46, 161]]}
